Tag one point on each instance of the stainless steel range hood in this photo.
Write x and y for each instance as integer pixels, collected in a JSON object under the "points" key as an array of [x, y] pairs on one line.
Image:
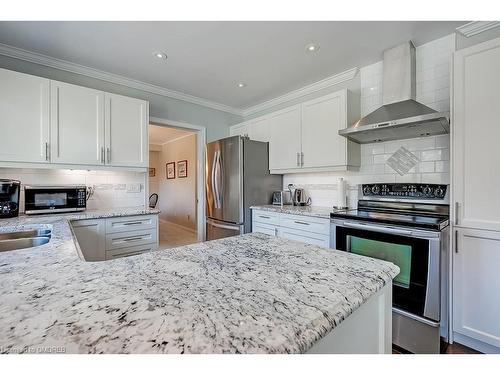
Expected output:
{"points": [[401, 116]]}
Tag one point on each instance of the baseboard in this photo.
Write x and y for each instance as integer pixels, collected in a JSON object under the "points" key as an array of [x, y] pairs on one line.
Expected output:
{"points": [[178, 226]]}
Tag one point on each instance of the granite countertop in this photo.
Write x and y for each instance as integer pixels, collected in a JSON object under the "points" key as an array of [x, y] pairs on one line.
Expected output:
{"points": [[246, 294], [322, 212]]}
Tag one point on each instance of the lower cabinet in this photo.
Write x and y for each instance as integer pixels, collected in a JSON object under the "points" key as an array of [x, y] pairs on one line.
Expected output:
{"points": [[104, 239], [476, 286], [311, 230]]}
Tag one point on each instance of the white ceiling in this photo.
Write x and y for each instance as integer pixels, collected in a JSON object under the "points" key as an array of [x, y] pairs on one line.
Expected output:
{"points": [[159, 135], [208, 59]]}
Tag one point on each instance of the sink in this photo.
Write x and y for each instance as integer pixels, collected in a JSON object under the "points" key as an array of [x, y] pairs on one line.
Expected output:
{"points": [[26, 234], [24, 239], [21, 243]]}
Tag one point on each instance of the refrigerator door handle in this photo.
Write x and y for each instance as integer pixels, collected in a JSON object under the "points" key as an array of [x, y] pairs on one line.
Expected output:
{"points": [[214, 191], [216, 178]]}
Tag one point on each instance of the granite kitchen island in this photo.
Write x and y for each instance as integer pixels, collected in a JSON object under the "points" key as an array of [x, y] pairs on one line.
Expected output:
{"points": [[247, 294]]}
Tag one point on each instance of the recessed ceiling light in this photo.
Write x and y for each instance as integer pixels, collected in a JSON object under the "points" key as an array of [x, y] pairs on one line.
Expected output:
{"points": [[241, 84], [312, 47], [160, 55]]}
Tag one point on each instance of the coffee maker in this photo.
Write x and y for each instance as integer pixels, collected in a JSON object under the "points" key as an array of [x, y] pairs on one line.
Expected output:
{"points": [[9, 198]]}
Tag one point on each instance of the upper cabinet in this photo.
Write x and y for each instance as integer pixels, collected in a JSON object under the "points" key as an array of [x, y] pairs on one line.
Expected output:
{"points": [[126, 131], [304, 137], [24, 117], [284, 140], [322, 118], [50, 122], [475, 135], [77, 124]]}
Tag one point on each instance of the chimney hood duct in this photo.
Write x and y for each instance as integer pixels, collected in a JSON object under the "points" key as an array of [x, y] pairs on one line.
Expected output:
{"points": [[400, 116]]}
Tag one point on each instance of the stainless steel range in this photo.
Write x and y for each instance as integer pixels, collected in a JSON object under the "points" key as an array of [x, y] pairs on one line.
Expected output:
{"points": [[406, 224]]}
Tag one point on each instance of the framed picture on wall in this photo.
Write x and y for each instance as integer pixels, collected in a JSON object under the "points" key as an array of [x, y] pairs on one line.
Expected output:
{"points": [[152, 172], [182, 169], [171, 170]]}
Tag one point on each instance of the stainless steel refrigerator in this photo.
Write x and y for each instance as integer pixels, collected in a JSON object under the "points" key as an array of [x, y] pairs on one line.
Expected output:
{"points": [[237, 177]]}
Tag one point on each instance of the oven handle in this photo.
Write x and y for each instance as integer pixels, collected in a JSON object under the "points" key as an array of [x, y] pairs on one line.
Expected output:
{"points": [[375, 228]]}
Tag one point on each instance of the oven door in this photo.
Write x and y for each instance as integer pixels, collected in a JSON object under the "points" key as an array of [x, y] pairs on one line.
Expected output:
{"points": [[415, 252], [50, 199]]}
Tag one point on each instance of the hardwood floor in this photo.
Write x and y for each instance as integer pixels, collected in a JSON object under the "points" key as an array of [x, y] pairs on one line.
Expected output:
{"points": [[455, 348], [172, 235]]}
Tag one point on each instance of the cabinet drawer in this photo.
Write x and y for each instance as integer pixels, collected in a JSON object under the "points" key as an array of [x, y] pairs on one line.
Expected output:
{"points": [[129, 251], [126, 224], [265, 217], [130, 238], [265, 228], [304, 223], [310, 238]]}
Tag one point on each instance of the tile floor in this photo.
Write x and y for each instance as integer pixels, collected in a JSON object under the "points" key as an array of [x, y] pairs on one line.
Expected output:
{"points": [[172, 235]]}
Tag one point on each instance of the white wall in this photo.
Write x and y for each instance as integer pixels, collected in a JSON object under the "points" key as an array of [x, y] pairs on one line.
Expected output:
{"points": [[110, 186], [177, 197], [433, 63]]}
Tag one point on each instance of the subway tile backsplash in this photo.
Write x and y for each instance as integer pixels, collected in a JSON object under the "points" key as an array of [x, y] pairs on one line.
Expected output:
{"points": [[112, 189], [433, 61]]}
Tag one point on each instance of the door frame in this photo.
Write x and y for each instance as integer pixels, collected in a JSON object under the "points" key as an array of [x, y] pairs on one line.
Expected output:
{"points": [[201, 134]]}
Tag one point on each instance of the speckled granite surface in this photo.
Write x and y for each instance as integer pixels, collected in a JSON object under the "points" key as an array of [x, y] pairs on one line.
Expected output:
{"points": [[246, 294], [322, 212]]}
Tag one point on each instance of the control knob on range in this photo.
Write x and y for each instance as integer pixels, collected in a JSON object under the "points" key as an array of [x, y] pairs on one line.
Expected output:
{"points": [[366, 190], [375, 189], [427, 190], [439, 192]]}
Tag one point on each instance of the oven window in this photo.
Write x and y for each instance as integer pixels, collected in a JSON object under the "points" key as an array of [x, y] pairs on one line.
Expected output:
{"points": [[398, 254], [51, 199]]}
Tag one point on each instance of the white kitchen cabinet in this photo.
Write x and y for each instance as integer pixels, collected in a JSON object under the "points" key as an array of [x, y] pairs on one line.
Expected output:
{"points": [[475, 136], [258, 129], [284, 139], [114, 237], [476, 286], [322, 118], [24, 117], [312, 230], [77, 124], [91, 237], [239, 129], [126, 131]]}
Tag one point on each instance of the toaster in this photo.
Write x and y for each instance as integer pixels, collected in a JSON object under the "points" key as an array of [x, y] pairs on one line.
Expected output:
{"points": [[282, 197]]}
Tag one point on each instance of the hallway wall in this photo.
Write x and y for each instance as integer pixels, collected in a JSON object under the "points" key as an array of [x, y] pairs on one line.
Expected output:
{"points": [[177, 197]]}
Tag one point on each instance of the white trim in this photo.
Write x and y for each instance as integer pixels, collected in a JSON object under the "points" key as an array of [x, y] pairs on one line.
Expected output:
{"points": [[174, 139], [200, 168], [305, 90], [476, 27], [68, 66]]}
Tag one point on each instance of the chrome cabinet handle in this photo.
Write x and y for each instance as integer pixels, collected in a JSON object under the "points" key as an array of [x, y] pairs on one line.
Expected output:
{"points": [[276, 232], [264, 217], [298, 159], [108, 150], [301, 222], [456, 241], [301, 159], [133, 223], [133, 238], [456, 212], [47, 157], [102, 155]]}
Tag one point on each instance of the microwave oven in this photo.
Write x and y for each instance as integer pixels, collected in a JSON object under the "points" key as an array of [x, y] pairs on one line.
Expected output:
{"points": [[52, 199]]}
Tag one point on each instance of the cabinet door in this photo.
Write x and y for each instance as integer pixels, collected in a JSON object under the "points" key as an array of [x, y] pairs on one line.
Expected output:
{"points": [[91, 237], [258, 129], [264, 228], [239, 129], [306, 237], [475, 136], [476, 285], [77, 124], [284, 139], [322, 119], [24, 117], [126, 131]]}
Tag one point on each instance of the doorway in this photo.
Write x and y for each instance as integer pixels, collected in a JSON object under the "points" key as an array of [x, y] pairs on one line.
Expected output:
{"points": [[176, 179]]}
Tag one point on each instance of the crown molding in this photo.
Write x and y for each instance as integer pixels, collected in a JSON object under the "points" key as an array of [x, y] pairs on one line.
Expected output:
{"points": [[52, 62], [308, 89], [477, 27]]}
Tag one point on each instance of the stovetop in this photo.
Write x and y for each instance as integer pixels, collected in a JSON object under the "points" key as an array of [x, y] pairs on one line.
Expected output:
{"points": [[412, 205]]}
